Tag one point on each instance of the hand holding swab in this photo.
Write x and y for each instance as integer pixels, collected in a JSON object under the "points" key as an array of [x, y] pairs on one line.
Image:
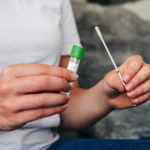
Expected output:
{"points": [[100, 35]]}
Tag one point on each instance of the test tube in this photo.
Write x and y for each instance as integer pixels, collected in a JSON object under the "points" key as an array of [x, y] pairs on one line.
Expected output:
{"points": [[77, 53]]}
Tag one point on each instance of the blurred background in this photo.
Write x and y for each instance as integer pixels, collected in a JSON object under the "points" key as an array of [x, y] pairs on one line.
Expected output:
{"points": [[104, 2], [125, 26]]}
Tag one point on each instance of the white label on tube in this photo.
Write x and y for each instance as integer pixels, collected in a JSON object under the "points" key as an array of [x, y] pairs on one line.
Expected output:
{"points": [[72, 67]]}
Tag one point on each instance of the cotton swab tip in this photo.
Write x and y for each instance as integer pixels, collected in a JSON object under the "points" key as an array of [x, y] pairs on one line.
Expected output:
{"points": [[98, 31]]}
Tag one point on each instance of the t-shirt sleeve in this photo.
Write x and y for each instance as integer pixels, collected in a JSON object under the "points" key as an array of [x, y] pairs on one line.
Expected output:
{"points": [[48, 122], [68, 27]]}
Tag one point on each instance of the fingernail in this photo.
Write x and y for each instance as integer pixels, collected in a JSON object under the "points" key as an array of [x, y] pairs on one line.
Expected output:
{"points": [[129, 87], [128, 95], [65, 106], [126, 78], [68, 98], [74, 76], [131, 94], [136, 101]]}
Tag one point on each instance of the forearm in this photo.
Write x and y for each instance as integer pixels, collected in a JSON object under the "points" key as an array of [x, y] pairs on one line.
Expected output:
{"points": [[85, 108]]}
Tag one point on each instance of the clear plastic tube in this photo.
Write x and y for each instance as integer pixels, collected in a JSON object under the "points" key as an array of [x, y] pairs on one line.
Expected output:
{"points": [[74, 60], [73, 66]]}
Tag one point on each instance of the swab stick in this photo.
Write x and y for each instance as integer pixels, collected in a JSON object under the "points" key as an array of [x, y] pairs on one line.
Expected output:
{"points": [[100, 35]]}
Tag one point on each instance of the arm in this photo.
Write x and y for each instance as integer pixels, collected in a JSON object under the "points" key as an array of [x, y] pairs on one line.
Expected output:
{"points": [[86, 107]]}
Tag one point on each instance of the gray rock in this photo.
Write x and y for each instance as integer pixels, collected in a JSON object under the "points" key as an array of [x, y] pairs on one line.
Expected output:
{"points": [[126, 34]]}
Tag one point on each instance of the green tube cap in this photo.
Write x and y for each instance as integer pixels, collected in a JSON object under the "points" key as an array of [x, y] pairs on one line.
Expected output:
{"points": [[77, 52]]}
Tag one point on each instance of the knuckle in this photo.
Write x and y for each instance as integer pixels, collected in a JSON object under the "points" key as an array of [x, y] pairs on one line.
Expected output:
{"points": [[139, 58], [7, 106], [43, 80], [137, 91], [43, 69], [40, 113], [7, 70], [145, 97], [62, 72], [140, 99], [5, 88], [147, 67], [57, 110], [138, 80], [64, 84], [63, 98], [65, 73], [133, 71], [41, 101], [142, 90], [12, 120]]}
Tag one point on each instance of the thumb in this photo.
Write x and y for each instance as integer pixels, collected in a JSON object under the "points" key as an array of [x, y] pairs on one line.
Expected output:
{"points": [[114, 82]]}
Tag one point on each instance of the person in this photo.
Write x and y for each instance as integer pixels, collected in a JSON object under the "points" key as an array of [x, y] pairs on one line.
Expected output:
{"points": [[36, 38]]}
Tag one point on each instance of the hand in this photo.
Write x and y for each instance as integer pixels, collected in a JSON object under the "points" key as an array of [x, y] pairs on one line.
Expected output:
{"points": [[136, 75], [32, 91]]}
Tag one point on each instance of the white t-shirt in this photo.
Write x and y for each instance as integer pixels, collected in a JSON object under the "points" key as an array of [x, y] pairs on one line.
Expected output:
{"points": [[35, 31]]}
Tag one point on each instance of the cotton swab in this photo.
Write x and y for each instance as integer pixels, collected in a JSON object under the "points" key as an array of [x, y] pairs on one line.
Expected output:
{"points": [[100, 35]]}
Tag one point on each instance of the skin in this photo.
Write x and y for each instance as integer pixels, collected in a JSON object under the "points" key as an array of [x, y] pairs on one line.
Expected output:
{"points": [[32, 91], [86, 107]]}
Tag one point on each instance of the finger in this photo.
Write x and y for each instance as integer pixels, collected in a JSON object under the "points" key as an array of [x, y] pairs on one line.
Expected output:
{"points": [[143, 88], [141, 99], [112, 80], [31, 115], [140, 77], [34, 101], [122, 102], [133, 65], [24, 70], [41, 83]]}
